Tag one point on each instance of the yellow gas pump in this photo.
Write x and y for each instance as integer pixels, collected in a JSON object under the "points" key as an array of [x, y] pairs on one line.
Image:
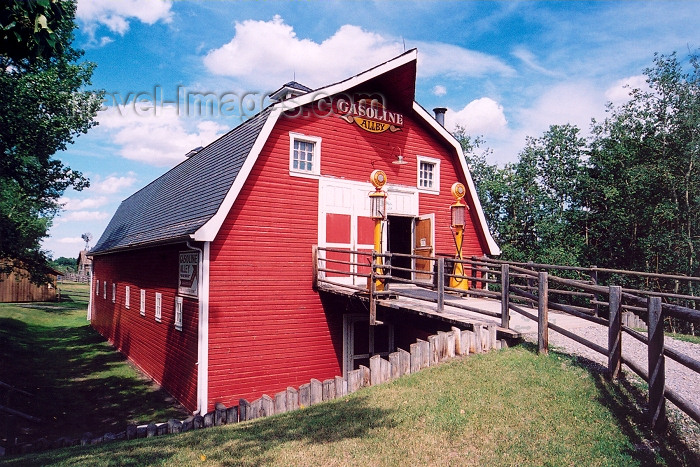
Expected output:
{"points": [[377, 208], [458, 212]]}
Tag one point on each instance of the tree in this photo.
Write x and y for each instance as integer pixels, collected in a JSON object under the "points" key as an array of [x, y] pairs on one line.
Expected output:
{"points": [[644, 179], [532, 206], [44, 106]]}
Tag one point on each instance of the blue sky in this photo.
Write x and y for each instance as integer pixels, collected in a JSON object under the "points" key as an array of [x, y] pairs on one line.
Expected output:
{"points": [[504, 70]]}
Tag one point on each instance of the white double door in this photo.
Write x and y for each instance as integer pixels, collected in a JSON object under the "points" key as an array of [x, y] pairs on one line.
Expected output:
{"points": [[344, 223]]}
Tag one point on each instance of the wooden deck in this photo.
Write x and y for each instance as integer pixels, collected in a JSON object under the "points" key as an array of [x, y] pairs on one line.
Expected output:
{"points": [[419, 301]]}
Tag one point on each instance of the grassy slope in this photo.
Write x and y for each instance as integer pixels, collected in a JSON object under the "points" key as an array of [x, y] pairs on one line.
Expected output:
{"points": [[503, 408], [79, 383]]}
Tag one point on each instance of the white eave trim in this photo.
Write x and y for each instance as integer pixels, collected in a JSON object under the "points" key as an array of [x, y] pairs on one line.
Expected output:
{"points": [[490, 242], [317, 94], [207, 232]]}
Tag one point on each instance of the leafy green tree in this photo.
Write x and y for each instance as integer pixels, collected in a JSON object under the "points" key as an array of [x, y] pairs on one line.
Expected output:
{"points": [[44, 105], [644, 181], [533, 206]]}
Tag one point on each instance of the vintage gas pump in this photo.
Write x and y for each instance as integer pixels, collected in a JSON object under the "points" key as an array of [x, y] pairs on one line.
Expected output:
{"points": [[458, 214], [377, 209]]}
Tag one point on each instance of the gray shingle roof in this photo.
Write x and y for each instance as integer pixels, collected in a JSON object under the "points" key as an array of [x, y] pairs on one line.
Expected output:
{"points": [[180, 201]]}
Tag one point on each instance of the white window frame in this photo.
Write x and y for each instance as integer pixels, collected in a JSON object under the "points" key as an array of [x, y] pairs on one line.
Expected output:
{"points": [[97, 289], [104, 290], [127, 297], [114, 292], [435, 189], [159, 306], [142, 304], [178, 313], [315, 172]]}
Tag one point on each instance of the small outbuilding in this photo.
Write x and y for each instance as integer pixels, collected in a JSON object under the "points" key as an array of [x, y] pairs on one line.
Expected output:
{"points": [[17, 286], [204, 278]]}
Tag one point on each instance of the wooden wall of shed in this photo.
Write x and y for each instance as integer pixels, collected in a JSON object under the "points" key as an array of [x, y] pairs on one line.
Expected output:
{"points": [[165, 354], [16, 287], [268, 328]]}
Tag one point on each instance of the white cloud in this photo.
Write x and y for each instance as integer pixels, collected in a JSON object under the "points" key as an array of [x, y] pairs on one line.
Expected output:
{"points": [[482, 116], [529, 59], [81, 216], [274, 60], [112, 183], [439, 90], [158, 138], [268, 52], [74, 204], [115, 15], [440, 59], [70, 240], [619, 92], [570, 102]]}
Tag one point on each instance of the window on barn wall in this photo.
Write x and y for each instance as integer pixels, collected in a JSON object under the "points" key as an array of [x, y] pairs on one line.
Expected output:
{"points": [[104, 290], [142, 305], [97, 288], [428, 174], [178, 313], [304, 155], [127, 296], [159, 305], [114, 292]]}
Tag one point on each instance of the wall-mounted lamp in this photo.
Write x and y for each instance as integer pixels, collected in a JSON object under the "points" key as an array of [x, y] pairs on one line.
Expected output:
{"points": [[399, 158]]}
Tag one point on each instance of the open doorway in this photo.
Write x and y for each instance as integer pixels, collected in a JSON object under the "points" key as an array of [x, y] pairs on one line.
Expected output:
{"points": [[400, 240]]}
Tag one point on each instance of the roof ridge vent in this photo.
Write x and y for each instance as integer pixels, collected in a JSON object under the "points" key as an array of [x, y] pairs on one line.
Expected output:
{"points": [[289, 90], [193, 151]]}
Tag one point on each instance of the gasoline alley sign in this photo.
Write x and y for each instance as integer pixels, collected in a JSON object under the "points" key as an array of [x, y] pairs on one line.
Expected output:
{"points": [[370, 115], [188, 277]]}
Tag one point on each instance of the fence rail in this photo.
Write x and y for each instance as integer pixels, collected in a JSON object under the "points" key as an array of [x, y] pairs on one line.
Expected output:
{"points": [[518, 285]]}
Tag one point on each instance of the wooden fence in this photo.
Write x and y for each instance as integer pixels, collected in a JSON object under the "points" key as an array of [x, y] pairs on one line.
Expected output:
{"points": [[519, 284]]}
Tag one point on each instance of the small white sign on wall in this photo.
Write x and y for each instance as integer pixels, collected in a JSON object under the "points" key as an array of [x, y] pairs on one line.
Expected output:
{"points": [[188, 273]]}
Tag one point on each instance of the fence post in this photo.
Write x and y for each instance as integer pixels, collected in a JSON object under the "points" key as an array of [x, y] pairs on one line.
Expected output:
{"points": [[314, 256], [505, 299], [594, 279], [614, 331], [542, 313], [530, 280], [657, 365], [441, 285]]}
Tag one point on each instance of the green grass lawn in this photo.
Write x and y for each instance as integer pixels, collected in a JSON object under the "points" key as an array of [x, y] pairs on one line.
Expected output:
{"points": [[510, 407], [78, 382], [684, 337]]}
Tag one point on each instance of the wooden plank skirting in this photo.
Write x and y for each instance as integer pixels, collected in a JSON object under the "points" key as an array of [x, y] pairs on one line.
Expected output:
{"points": [[438, 348]]}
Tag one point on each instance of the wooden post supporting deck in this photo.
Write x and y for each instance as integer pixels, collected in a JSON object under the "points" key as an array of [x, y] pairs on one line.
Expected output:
{"points": [[441, 285], [615, 331], [657, 365], [505, 299], [372, 296], [543, 313], [314, 257]]}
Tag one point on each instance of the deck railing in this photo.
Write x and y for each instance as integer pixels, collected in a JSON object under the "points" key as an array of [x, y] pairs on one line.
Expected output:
{"points": [[519, 285]]}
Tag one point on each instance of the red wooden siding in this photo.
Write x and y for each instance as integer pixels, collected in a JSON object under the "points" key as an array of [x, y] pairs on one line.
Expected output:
{"points": [[167, 355], [267, 327]]}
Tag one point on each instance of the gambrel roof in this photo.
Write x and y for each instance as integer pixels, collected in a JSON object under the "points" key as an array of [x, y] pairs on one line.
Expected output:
{"points": [[175, 205], [191, 201]]}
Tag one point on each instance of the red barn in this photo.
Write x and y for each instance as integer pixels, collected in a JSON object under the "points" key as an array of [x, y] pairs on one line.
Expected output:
{"points": [[203, 278]]}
